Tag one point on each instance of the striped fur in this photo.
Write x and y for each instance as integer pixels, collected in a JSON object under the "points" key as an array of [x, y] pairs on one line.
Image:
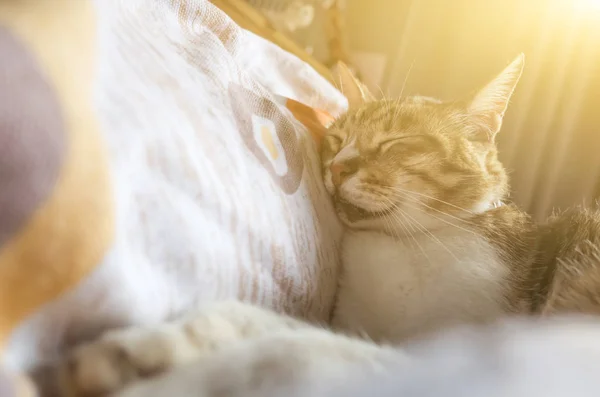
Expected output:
{"points": [[422, 145]]}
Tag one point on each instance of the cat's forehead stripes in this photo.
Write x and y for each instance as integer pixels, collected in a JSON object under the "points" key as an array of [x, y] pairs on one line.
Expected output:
{"points": [[370, 115], [377, 120]]}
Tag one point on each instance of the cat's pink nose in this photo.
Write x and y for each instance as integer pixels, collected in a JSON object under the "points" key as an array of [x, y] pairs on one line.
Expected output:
{"points": [[339, 173]]}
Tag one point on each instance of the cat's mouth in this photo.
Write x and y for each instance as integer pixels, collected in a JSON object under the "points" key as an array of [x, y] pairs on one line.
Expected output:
{"points": [[355, 213]]}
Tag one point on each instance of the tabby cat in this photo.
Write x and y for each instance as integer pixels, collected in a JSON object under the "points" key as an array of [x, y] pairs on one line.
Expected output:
{"points": [[431, 243]]}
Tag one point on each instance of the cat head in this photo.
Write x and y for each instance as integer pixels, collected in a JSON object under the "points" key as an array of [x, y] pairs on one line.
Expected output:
{"points": [[416, 160]]}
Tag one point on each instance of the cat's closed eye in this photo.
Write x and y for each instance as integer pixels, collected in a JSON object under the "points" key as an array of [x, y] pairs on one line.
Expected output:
{"points": [[386, 144]]}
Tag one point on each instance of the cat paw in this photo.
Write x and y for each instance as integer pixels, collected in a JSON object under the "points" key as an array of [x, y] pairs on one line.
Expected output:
{"points": [[116, 360], [122, 357]]}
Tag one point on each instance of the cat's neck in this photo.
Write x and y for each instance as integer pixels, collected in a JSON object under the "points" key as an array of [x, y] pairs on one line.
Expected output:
{"points": [[489, 206]]}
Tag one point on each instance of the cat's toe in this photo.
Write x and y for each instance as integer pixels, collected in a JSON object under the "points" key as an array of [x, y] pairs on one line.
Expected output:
{"points": [[116, 360], [97, 369]]}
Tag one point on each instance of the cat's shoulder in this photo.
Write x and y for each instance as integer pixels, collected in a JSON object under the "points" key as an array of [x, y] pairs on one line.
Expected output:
{"points": [[569, 246], [510, 230]]}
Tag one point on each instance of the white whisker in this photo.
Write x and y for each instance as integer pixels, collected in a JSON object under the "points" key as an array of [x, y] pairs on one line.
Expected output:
{"points": [[399, 189], [412, 235], [407, 233], [427, 232], [406, 78], [444, 220]]}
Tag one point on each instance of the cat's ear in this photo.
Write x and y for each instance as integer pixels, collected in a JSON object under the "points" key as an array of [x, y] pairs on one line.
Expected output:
{"points": [[489, 104], [355, 91]]}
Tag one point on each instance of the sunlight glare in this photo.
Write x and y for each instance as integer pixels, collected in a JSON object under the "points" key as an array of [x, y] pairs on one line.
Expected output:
{"points": [[587, 5]]}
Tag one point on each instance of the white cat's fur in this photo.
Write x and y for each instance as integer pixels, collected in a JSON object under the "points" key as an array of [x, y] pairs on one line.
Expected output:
{"points": [[392, 289], [517, 359], [258, 345]]}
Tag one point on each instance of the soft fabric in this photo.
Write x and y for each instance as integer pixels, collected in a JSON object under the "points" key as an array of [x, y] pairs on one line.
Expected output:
{"points": [[216, 186], [516, 358]]}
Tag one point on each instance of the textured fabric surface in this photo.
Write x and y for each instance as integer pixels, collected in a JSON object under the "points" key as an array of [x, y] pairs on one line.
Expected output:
{"points": [[217, 186]]}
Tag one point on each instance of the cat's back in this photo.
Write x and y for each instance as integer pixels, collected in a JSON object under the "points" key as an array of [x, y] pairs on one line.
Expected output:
{"points": [[569, 246], [553, 267]]}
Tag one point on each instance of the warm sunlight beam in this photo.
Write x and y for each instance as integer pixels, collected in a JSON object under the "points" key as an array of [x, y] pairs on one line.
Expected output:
{"points": [[587, 5]]}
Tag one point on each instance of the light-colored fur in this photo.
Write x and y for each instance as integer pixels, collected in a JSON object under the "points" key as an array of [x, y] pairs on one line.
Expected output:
{"points": [[516, 359], [240, 350], [259, 345], [392, 291]]}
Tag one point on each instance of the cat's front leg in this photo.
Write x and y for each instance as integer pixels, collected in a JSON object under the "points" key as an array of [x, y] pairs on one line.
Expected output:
{"points": [[291, 363], [121, 357]]}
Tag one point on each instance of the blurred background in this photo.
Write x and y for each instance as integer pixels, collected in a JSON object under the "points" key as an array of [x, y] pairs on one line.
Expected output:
{"points": [[550, 141]]}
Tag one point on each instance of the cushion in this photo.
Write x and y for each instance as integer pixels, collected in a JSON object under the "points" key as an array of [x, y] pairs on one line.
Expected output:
{"points": [[199, 184]]}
